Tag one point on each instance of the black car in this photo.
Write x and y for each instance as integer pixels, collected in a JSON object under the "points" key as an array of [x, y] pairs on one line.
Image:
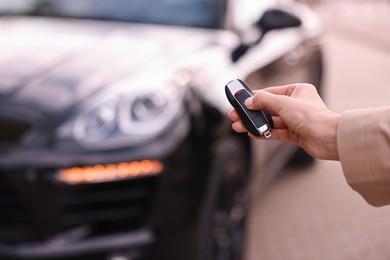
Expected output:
{"points": [[115, 142]]}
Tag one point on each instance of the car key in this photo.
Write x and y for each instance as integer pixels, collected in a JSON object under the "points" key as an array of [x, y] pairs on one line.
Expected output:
{"points": [[258, 122]]}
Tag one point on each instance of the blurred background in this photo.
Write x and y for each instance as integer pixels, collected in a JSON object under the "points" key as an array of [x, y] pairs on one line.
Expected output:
{"points": [[312, 213]]}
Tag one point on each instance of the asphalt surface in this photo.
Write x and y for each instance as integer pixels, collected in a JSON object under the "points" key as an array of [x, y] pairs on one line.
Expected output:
{"points": [[312, 213]]}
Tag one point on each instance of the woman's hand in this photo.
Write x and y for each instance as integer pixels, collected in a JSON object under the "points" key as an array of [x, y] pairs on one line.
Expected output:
{"points": [[300, 116]]}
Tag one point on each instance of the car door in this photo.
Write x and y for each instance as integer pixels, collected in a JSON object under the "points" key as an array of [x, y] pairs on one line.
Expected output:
{"points": [[282, 56]]}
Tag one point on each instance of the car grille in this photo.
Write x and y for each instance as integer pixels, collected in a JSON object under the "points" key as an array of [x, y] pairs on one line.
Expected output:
{"points": [[34, 206], [15, 223]]}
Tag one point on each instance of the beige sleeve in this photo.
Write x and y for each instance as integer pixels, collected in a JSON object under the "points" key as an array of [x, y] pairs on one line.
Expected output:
{"points": [[363, 140]]}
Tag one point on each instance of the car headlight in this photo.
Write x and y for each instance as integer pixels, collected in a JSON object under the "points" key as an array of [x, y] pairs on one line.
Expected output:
{"points": [[126, 114]]}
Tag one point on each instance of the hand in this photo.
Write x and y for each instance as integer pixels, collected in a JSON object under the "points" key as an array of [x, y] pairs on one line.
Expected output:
{"points": [[300, 116]]}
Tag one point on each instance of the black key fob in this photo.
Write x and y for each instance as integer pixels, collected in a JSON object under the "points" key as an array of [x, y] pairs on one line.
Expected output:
{"points": [[258, 122]]}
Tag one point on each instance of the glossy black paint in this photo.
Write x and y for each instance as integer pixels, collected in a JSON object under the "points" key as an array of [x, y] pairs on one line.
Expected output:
{"points": [[166, 205], [180, 214]]}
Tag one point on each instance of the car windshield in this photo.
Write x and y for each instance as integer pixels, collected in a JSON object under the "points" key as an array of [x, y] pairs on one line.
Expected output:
{"points": [[197, 13]]}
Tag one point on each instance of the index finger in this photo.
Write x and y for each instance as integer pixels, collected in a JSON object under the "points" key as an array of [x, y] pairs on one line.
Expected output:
{"points": [[233, 115]]}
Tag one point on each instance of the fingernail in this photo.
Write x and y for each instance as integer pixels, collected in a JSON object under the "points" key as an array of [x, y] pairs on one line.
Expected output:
{"points": [[248, 102]]}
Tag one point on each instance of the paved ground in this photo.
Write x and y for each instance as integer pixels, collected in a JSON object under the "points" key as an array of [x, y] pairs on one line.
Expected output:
{"points": [[367, 21], [312, 214]]}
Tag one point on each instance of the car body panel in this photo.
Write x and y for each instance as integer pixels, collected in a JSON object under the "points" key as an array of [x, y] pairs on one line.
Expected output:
{"points": [[54, 71]]}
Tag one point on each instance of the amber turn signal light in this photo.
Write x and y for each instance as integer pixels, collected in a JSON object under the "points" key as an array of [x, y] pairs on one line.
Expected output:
{"points": [[110, 172]]}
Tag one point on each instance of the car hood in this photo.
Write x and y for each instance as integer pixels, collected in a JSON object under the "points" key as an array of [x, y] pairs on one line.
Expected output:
{"points": [[48, 65]]}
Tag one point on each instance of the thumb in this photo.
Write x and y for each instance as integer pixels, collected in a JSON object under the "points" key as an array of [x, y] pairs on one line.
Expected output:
{"points": [[264, 99]]}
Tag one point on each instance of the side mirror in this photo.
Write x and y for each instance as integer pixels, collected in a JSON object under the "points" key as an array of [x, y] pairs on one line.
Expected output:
{"points": [[272, 19], [277, 19]]}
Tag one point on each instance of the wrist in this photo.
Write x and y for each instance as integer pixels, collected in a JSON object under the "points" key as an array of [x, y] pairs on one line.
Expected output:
{"points": [[329, 150]]}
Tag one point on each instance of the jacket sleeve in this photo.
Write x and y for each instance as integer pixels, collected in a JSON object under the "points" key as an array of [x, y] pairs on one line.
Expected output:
{"points": [[363, 140]]}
